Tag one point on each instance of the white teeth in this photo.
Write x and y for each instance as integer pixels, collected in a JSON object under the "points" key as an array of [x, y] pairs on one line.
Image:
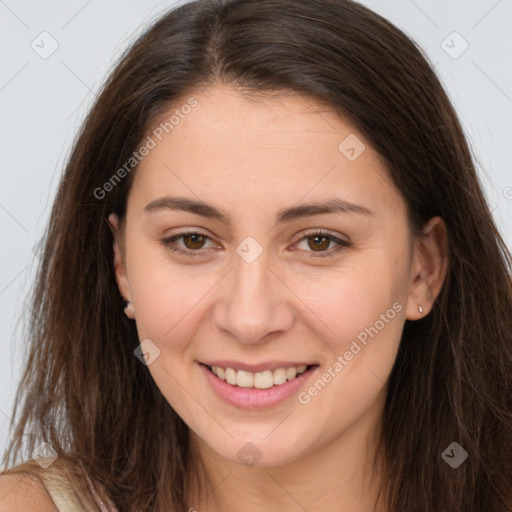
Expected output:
{"points": [[260, 380], [231, 376], [280, 376], [263, 380], [291, 373], [244, 379]]}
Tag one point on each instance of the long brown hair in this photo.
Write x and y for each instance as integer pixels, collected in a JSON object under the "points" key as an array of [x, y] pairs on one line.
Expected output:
{"points": [[84, 392]]}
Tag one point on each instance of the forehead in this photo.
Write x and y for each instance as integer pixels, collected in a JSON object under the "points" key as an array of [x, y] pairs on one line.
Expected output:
{"points": [[262, 152]]}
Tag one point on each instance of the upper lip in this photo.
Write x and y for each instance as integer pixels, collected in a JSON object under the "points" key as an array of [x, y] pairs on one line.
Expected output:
{"points": [[254, 368]]}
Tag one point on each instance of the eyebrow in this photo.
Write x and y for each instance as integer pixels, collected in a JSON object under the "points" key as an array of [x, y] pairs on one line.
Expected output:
{"points": [[209, 211]]}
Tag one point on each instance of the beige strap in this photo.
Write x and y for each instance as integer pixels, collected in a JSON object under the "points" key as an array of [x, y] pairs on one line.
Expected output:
{"points": [[61, 491]]}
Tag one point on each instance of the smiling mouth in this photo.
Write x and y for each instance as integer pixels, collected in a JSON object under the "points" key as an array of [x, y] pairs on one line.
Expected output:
{"points": [[260, 380]]}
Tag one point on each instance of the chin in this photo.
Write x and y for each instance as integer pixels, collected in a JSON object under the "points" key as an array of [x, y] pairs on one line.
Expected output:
{"points": [[254, 451]]}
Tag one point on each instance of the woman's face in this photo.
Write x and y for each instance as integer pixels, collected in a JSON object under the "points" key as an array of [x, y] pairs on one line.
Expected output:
{"points": [[255, 289]]}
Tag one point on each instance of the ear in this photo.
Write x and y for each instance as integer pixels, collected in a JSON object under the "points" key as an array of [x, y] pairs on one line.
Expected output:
{"points": [[428, 269], [119, 266]]}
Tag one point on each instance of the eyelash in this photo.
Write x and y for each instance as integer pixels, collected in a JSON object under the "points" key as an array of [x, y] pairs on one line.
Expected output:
{"points": [[342, 244]]}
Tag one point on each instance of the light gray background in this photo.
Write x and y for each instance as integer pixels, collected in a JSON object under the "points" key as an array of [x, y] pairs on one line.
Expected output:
{"points": [[43, 101]]}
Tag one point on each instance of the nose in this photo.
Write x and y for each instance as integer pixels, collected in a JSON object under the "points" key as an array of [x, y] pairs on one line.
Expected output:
{"points": [[254, 305]]}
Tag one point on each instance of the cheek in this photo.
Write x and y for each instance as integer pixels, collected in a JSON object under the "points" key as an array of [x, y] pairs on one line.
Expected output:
{"points": [[345, 302], [172, 302], [359, 313], [361, 317], [168, 303]]}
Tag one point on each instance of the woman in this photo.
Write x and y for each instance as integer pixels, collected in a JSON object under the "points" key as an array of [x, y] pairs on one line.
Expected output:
{"points": [[270, 281]]}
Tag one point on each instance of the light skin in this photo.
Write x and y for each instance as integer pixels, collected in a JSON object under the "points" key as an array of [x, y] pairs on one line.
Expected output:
{"points": [[252, 159]]}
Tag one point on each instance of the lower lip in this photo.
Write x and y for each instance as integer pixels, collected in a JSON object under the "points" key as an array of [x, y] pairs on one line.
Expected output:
{"points": [[252, 398]]}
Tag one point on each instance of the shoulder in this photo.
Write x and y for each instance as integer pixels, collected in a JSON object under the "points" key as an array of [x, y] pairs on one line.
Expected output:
{"points": [[64, 486], [32, 488], [24, 491]]}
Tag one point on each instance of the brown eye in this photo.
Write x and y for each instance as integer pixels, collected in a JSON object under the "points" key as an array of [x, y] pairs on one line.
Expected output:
{"points": [[319, 243], [188, 243], [194, 241]]}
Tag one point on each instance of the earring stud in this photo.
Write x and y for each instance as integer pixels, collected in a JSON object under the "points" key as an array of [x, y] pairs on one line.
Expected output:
{"points": [[420, 309], [129, 310]]}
